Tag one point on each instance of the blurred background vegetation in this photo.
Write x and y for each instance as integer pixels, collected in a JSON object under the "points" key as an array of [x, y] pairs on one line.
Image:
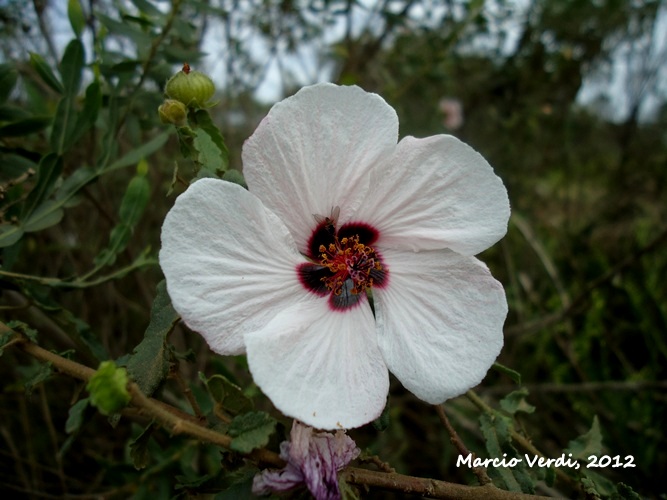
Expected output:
{"points": [[565, 98]]}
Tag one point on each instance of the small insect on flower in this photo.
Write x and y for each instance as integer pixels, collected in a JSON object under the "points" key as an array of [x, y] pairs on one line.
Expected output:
{"points": [[330, 222]]}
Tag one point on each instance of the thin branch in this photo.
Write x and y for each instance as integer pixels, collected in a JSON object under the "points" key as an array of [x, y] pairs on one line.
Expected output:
{"points": [[521, 440], [428, 487], [480, 472], [173, 419]]}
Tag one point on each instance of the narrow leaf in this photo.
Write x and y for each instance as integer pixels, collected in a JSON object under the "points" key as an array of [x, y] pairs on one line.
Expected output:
{"points": [[91, 106], [143, 151], [76, 17], [71, 67], [25, 126], [44, 71], [132, 207], [148, 9], [63, 124], [124, 29], [8, 77], [46, 215], [49, 171]]}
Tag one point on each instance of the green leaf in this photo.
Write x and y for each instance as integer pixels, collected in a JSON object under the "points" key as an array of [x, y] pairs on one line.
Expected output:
{"points": [[125, 30], [71, 67], [44, 71], [143, 151], [76, 17], [132, 207], [108, 388], [213, 153], [139, 447], [496, 431], [516, 402], [625, 492], [149, 363], [10, 113], [63, 125], [148, 9], [75, 183], [75, 415], [251, 431], [48, 173], [587, 444], [5, 337], [46, 215], [91, 106], [8, 78], [233, 175], [514, 375], [382, 422], [15, 165], [228, 395], [209, 156], [24, 328], [25, 126], [10, 234], [37, 374]]}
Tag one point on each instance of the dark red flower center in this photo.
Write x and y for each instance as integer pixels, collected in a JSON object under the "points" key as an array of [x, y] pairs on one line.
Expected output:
{"points": [[344, 264]]}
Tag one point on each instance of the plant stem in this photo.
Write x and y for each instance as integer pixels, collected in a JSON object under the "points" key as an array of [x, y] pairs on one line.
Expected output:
{"points": [[179, 422], [480, 472]]}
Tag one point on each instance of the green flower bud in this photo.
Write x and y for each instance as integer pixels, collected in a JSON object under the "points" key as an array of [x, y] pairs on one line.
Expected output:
{"points": [[108, 388], [192, 88], [173, 111]]}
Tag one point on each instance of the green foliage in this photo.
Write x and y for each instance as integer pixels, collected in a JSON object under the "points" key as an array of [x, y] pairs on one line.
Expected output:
{"points": [[228, 396], [496, 432], [76, 415], [149, 363], [515, 402], [251, 431], [132, 207], [587, 444], [76, 17], [108, 388]]}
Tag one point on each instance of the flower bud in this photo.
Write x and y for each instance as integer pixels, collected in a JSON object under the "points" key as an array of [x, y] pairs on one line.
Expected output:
{"points": [[173, 111], [192, 88]]}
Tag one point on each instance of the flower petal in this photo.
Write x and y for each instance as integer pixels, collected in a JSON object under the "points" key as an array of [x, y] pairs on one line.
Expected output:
{"points": [[440, 321], [319, 456], [321, 366], [313, 152], [230, 263], [436, 193]]}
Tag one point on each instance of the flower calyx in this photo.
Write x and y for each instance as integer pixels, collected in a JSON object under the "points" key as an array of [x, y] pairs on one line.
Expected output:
{"points": [[192, 88]]}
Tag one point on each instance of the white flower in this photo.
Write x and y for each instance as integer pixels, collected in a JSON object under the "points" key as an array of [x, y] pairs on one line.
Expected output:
{"points": [[254, 271]]}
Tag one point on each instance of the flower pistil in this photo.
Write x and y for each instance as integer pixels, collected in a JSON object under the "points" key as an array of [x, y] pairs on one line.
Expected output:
{"points": [[348, 259]]}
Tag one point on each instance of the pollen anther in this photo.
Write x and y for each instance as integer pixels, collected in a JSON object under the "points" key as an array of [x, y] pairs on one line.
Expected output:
{"points": [[351, 263]]}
